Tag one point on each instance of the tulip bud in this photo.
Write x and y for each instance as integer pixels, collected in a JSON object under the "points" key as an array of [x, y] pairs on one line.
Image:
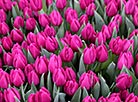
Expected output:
{"points": [[102, 53], [136, 69], [123, 81], [88, 99], [59, 77], [43, 20], [7, 43], [34, 50], [27, 12], [36, 5], [0, 63], [31, 38], [2, 15], [41, 65], [113, 25], [111, 9], [127, 44], [49, 31], [17, 77], [33, 78], [70, 74], [135, 20], [18, 22], [75, 42], [28, 68], [83, 19], [124, 94], [4, 79], [55, 18], [23, 3], [51, 44], [88, 32], [55, 62], [49, 2], [6, 5], [101, 38], [1, 97], [4, 29], [125, 59], [89, 55], [75, 25], [71, 87], [85, 3], [114, 99], [102, 99], [17, 35], [30, 24], [66, 54], [10, 95], [8, 59], [105, 31], [61, 4], [129, 7], [90, 9], [31, 98], [40, 39], [118, 19], [131, 98]]}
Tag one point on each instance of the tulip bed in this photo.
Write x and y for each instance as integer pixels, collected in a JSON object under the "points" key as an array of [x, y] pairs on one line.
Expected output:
{"points": [[68, 51]]}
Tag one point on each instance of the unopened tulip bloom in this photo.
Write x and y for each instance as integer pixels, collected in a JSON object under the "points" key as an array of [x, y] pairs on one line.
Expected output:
{"points": [[125, 59], [85, 3], [31, 98], [89, 99], [123, 81], [8, 59], [2, 16], [118, 19], [59, 77], [18, 22], [70, 74], [90, 9], [102, 99], [136, 69], [101, 38], [40, 39], [66, 54], [127, 44], [1, 63], [123, 94], [105, 31], [36, 5], [114, 99], [17, 35], [1, 96], [17, 77], [30, 24], [71, 87], [33, 78], [75, 25], [4, 28], [31, 38], [4, 79], [129, 7], [23, 3], [49, 2], [49, 31], [28, 68], [27, 12], [89, 55], [83, 19], [10, 94], [55, 18], [43, 20], [113, 25], [131, 98], [135, 20], [61, 4], [6, 5]]}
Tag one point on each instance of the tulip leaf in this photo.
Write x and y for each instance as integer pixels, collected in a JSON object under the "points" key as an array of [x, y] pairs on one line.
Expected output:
{"points": [[30, 58], [28, 93], [114, 34], [33, 87], [98, 20], [129, 24], [135, 89], [104, 87], [60, 97], [77, 6], [45, 52], [96, 90], [49, 82], [22, 92], [54, 90], [60, 32], [99, 7], [77, 96], [44, 6], [42, 80], [14, 13], [81, 65], [16, 99], [85, 93], [59, 42]]}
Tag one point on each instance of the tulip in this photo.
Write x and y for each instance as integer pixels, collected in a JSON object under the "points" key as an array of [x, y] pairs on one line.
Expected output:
{"points": [[6, 5], [75, 42], [40, 39], [59, 77], [131, 98], [113, 25], [18, 22], [83, 19], [61, 4], [102, 99], [23, 3], [51, 44], [1, 97], [31, 38], [90, 9], [135, 20], [66, 54], [89, 55], [127, 44], [36, 5], [75, 25], [101, 38], [55, 62], [49, 31], [34, 50], [43, 20], [123, 81], [1, 63], [49, 2], [124, 94], [71, 87], [33, 78], [89, 99], [118, 19], [31, 98], [4, 79], [7, 43], [17, 77], [17, 35], [125, 59], [55, 18], [4, 29], [41, 65], [27, 12], [2, 15], [70, 74], [129, 7], [105, 31], [114, 99], [133, 33], [28, 68], [102, 53], [8, 59], [10, 95], [30, 24], [84, 3]]}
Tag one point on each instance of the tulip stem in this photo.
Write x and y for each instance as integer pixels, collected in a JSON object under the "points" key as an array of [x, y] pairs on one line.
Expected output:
{"points": [[87, 67]]}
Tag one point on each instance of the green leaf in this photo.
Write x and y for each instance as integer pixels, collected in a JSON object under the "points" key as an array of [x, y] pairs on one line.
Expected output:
{"points": [[77, 96], [99, 7], [22, 92], [98, 21], [30, 58], [85, 93], [42, 80], [129, 24], [104, 87], [96, 90], [14, 13], [44, 6], [59, 42], [45, 52], [60, 97], [135, 89], [60, 32], [114, 35], [33, 87], [55, 90], [81, 65], [28, 93], [77, 6], [49, 82]]}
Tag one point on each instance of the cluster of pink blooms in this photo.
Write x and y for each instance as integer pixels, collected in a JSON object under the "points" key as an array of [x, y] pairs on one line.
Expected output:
{"points": [[23, 38]]}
